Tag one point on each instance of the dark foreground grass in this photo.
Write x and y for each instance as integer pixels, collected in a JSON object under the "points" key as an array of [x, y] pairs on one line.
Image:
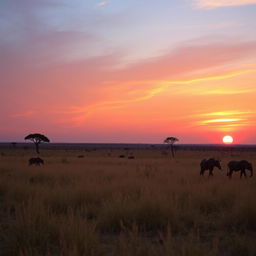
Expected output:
{"points": [[102, 205]]}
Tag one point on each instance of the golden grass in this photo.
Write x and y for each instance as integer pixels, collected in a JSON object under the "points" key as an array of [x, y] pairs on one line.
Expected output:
{"points": [[104, 205]]}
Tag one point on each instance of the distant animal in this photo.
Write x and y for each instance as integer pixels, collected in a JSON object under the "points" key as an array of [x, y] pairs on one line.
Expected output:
{"points": [[235, 166], [122, 156], [131, 157], [209, 164], [35, 161], [80, 156]]}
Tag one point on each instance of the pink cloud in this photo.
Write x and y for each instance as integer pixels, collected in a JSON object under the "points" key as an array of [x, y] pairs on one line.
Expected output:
{"points": [[222, 3], [187, 59], [93, 81], [24, 114], [144, 80]]}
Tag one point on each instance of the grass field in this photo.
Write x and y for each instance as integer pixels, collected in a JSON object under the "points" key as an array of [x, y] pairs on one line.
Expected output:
{"points": [[105, 205]]}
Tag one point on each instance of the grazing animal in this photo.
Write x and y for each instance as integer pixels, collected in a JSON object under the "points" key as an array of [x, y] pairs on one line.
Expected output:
{"points": [[131, 157], [122, 156], [35, 161], [209, 164], [235, 166]]}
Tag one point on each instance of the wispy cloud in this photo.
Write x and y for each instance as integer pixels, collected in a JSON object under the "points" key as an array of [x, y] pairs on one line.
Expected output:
{"points": [[222, 120], [222, 3], [147, 90], [228, 113], [226, 92], [179, 72], [225, 120], [23, 114], [102, 3]]}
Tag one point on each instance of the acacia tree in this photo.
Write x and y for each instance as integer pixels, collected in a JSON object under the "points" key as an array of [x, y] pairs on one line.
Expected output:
{"points": [[37, 138], [170, 141]]}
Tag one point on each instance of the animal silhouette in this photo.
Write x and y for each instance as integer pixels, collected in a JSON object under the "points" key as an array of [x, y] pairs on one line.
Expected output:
{"points": [[209, 164], [235, 166], [35, 161]]}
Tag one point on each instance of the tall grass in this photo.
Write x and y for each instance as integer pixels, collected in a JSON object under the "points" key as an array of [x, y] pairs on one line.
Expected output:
{"points": [[103, 205]]}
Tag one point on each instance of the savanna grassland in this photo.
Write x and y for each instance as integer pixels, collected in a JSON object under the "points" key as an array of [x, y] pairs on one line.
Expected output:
{"points": [[105, 205]]}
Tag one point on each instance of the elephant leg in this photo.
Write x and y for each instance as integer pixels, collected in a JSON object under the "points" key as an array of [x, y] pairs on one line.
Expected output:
{"points": [[242, 173], [210, 172]]}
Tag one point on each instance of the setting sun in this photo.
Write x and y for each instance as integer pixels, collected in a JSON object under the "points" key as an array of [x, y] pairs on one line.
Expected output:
{"points": [[227, 139]]}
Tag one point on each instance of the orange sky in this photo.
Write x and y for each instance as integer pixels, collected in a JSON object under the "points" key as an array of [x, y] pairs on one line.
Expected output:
{"points": [[111, 77]]}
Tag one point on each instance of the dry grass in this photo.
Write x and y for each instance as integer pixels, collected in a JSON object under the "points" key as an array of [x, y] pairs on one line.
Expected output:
{"points": [[104, 205]]}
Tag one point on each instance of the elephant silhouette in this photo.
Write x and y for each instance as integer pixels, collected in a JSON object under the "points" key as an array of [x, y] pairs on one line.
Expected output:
{"points": [[35, 161], [236, 166], [209, 164]]}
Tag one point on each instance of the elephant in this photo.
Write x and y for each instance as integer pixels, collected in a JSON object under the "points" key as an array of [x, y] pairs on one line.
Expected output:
{"points": [[209, 164], [235, 166], [35, 161]]}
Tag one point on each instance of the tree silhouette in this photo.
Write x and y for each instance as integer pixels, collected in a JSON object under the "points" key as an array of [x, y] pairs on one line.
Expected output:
{"points": [[37, 138], [170, 141]]}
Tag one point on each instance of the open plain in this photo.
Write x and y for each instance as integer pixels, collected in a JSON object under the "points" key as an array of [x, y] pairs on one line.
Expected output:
{"points": [[94, 202]]}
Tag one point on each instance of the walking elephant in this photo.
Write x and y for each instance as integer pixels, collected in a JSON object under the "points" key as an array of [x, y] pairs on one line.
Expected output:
{"points": [[235, 166], [209, 164], [35, 161]]}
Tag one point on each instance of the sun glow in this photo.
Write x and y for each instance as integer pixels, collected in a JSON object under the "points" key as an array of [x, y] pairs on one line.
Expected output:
{"points": [[227, 139]]}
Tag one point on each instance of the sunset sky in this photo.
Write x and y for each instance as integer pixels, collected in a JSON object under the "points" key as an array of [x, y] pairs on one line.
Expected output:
{"points": [[128, 70]]}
